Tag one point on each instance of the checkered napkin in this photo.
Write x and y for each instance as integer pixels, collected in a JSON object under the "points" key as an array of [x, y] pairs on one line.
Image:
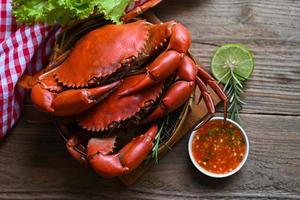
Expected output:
{"points": [[23, 49]]}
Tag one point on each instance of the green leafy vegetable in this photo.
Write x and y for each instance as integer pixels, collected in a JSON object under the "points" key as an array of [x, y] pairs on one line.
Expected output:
{"points": [[64, 12]]}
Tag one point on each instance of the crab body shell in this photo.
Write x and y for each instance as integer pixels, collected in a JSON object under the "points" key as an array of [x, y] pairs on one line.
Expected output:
{"points": [[110, 113], [103, 52]]}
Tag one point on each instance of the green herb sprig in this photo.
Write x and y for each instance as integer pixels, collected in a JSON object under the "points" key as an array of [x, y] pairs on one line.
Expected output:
{"points": [[166, 127], [158, 140], [234, 90]]}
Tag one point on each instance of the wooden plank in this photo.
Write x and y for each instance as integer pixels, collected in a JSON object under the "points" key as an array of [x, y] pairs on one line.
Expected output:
{"points": [[269, 28], [35, 165], [273, 88]]}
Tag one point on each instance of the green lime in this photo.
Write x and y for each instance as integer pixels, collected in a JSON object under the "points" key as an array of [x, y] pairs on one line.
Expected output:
{"points": [[234, 58]]}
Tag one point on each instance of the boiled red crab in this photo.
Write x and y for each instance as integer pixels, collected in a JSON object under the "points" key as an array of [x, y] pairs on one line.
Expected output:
{"points": [[122, 74]]}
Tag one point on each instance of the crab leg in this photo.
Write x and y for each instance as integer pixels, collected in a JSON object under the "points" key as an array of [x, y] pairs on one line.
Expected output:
{"points": [[179, 92], [206, 96], [207, 78], [189, 71], [69, 102], [136, 8], [126, 160]]}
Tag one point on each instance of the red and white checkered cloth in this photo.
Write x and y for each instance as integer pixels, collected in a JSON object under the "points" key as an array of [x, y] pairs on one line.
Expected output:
{"points": [[22, 48]]}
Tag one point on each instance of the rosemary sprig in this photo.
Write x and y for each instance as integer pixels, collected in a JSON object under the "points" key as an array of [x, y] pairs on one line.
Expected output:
{"points": [[158, 139], [234, 90], [166, 128]]}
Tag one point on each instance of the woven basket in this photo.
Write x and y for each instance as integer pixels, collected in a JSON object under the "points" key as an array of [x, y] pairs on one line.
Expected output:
{"points": [[68, 38]]}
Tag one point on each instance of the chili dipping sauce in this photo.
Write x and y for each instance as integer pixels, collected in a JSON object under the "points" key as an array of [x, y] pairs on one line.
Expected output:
{"points": [[217, 148]]}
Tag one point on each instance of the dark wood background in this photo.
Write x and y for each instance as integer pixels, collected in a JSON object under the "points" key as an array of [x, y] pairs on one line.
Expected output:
{"points": [[35, 165]]}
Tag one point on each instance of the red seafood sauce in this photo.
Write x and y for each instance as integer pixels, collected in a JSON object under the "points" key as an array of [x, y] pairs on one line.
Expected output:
{"points": [[217, 148]]}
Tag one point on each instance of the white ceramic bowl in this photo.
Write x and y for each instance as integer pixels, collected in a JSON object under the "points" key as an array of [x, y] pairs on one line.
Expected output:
{"points": [[214, 175]]}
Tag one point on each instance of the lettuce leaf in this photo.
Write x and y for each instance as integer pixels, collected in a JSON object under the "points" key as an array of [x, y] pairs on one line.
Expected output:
{"points": [[64, 12]]}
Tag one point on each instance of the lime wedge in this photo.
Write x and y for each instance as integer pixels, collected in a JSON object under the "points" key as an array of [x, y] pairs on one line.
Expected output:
{"points": [[234, 58]]}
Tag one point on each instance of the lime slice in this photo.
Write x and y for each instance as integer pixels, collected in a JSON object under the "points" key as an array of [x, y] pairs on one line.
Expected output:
{"points": [[232, 57]]}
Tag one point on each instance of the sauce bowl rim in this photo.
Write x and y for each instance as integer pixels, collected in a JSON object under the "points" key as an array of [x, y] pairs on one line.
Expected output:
{"points": [[215, 175]]}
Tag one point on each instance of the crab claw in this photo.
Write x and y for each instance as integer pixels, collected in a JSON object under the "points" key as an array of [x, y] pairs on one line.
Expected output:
{"points": [[180, 39], [69, 102], [123, 162], [70, 145], [175, 97], [162, 67]]}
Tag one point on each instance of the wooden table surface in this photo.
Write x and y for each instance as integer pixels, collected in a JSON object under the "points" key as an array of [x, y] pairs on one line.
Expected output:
{"points": [[35, 165]]}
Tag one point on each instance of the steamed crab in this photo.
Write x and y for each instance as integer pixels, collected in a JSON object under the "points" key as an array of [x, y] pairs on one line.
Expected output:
{"points": [[122, 74]]}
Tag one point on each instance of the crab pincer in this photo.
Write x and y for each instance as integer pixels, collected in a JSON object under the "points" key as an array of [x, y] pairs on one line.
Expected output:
{"points": [[126, 160], [69, 102]]}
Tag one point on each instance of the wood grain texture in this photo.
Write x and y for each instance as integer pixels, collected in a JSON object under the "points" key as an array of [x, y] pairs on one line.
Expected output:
{"points": [[271, 29], [35, 165]]}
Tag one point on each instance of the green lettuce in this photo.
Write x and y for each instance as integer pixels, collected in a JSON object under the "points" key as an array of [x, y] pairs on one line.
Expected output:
{"points": [[64, 12]]}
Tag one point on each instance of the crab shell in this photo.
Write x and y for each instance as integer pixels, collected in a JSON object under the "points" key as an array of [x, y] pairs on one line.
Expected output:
{"points": [[102, 52]]}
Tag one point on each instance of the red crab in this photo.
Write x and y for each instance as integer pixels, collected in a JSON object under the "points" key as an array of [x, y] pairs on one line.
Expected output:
{"points": [[122, 74]]}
